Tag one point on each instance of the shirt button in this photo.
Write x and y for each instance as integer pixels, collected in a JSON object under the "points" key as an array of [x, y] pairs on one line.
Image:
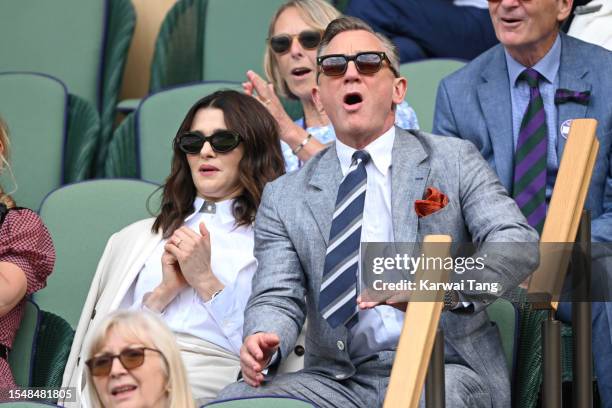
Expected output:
{"points": [[299, 350], [340, 345]]}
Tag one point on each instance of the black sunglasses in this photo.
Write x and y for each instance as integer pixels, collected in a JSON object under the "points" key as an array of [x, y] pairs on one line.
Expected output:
{"points": [[368, 62], [221, 141], [308, 39], [130, 358]]}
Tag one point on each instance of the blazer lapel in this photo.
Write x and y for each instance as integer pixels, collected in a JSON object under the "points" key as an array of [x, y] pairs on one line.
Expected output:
{"points": [[494, 98], [323, 189], [572, 73], [137, 258], [409, 173]]}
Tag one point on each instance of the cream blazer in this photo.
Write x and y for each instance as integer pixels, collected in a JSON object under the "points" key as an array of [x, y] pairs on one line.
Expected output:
{"points": [[125, 253], [124, 256]]}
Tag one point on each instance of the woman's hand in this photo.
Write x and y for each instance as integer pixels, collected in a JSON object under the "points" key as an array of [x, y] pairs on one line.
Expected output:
{"points": [[192, 251], [171, 285], [172, 277], [263, 91]]}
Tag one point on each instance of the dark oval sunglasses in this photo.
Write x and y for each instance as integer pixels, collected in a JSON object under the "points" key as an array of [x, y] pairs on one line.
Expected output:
{"points": [[221, 141], [130, 358], [308, 39], [368, 62]]}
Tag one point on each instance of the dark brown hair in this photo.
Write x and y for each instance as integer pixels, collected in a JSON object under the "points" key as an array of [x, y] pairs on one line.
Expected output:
{"points": [[261, 162]]}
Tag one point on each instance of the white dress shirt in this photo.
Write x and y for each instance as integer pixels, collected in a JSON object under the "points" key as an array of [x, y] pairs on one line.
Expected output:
{"points": [[378, 328], [219, 320]]}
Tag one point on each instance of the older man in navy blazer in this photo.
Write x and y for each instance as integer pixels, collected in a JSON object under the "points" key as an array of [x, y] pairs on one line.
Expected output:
{"points": [[492, 103]]}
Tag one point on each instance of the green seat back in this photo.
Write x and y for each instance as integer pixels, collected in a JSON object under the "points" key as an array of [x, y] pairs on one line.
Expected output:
{"points": [[21, 356], [34, 108], [423, 79], [158, 120], [62, 38], [504, 315], [53, 344], [261, 402], [81, 217], [245, 24]]}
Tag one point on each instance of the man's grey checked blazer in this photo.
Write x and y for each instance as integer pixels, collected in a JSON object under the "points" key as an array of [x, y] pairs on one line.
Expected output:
{"points": [[292, 230]]}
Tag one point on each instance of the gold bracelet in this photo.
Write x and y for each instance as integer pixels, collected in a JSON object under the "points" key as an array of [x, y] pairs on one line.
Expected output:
{"points": [[301, 145]]}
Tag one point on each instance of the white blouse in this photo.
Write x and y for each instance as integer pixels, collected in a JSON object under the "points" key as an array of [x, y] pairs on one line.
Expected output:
{"points": [[219, 320]]}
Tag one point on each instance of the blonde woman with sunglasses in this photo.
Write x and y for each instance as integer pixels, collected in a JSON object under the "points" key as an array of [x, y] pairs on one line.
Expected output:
{"points": [[26, 260], [134, 361], [290, 64]]}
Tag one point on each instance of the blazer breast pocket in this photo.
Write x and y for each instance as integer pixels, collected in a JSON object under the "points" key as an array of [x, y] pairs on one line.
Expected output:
{"points": [[439, 222]]}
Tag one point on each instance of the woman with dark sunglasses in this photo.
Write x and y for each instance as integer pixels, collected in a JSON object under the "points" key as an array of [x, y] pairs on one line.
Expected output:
{"points": [[290, 65], [194, 262], [26, 260], [134, 361]]}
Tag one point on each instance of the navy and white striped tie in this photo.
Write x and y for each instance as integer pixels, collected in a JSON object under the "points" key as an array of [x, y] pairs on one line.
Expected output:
{"points": [[338, 298]]}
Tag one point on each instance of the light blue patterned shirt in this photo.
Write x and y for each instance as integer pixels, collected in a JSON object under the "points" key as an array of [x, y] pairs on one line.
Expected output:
{"points": [[548, 67], [405, 117]]}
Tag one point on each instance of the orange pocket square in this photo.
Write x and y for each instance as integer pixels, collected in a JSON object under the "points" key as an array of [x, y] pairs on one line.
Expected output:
{"points": [[434, 201]]}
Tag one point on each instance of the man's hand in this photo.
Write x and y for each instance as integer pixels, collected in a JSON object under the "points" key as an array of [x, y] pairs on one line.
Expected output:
{"points": [[397, 299], [255, 354]]}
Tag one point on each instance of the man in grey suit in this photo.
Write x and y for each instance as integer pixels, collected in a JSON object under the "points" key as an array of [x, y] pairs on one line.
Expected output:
{"points": [[486, 102], [364, 188]]}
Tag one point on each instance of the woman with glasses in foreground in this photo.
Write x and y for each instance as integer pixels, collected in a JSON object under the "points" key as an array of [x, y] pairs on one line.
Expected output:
{"points": [[134, 361], [194, 262], [290, 64]]}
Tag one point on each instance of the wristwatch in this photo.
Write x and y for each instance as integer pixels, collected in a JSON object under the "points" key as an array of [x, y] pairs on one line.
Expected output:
{"points": [[451, 299]]}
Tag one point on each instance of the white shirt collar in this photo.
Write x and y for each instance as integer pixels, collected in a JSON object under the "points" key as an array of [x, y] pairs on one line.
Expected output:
{"points": [[223, 210], [380, 152]]}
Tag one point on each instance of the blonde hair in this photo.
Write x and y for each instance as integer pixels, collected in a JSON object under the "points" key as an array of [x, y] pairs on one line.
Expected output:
{"points": [[141, 325], [317, 14], [5, 199]]}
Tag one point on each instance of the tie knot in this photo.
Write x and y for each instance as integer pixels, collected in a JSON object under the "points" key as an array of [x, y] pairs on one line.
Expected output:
{"points": [[531, 76], [361, 155]]}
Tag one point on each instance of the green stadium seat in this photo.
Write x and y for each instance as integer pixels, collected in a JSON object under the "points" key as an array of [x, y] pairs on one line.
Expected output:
{"points": [[43, 120], [423, 79], [207, 26], [53, 343], [83, 43], [81, 217], [261, 402], [142, 144], [505, 316], [21, 357]]}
